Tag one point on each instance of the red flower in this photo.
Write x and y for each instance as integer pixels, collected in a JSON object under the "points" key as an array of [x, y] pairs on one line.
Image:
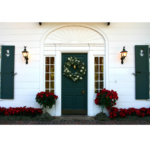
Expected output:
{"points": [[20, 111], [46, 98], [110, 97], [98, 94], [148, 111], [96, 101]]}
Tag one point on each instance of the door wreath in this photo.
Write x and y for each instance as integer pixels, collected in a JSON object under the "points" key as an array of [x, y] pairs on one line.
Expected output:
{"points": [[76, 63]]}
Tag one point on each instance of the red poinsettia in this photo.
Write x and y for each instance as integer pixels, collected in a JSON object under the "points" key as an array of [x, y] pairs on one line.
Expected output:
{"points": [[142, 112], [46, 99], [20, 111], [106, 98]]}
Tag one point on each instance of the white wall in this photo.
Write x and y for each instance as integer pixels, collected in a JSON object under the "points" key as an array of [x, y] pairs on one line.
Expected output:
{"points": [[28, 76]]}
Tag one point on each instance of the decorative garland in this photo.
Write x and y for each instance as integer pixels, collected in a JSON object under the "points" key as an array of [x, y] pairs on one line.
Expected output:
{"points": [[76, 63]]}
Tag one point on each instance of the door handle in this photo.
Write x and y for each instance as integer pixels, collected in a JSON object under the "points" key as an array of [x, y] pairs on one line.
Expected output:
{"points": [[82, 91], [134, 74], [13, 73]]}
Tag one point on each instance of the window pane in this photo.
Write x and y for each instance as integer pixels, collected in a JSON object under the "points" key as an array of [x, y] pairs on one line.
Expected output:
{"points": [[96, 68], [96, 76], [47, 60], [47, 68], [96, 91], [52, 91], [101, 68], [51, 76], [96, 60], [47, 76], [51, 60], [101, 60], [96, 85], [47, 85], [47, 91], [101, 85], [51, 68], [101, 76], [52, 85]]}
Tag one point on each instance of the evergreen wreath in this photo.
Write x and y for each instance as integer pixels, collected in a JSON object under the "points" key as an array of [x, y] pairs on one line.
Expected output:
{"points": [[76, 63]]}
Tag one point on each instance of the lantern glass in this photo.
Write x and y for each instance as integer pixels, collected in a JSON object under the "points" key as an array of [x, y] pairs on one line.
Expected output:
{"points": [[124, 54], [25, 54]]}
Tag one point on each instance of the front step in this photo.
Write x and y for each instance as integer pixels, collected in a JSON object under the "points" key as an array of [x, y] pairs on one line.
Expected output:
{"points": [[74, 117]]}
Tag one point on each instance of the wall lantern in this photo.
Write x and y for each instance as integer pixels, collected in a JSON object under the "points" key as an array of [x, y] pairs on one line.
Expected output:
{"points": [[25, 54], [123, 54]]}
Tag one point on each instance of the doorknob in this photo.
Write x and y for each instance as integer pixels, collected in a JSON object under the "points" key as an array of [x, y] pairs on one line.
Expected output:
{"points": [[134, 74], [13, 73], [82, 91]]}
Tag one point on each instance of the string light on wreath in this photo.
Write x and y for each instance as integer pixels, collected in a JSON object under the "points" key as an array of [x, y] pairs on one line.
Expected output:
{"points": [[75, 63]]}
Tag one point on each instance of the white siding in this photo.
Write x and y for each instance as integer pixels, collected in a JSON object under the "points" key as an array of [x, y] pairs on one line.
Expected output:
{"points": [[27, 80]]}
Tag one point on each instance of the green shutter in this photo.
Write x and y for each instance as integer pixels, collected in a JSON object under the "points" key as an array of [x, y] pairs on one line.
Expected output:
{"points": [[142, 71], [7, 72]]}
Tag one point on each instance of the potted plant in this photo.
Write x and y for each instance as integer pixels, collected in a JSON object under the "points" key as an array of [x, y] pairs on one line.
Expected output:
{"points": [[106, 98], [46, 100]]}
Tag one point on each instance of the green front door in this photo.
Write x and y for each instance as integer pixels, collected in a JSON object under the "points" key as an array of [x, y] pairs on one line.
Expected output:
{"points": [[74, 93]]}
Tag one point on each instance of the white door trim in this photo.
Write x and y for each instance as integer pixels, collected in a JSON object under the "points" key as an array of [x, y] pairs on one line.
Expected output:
{"points": [[91, 53]]}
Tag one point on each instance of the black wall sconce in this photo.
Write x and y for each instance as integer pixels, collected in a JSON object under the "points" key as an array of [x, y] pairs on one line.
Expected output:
{"points": [[25, 54], [123, 54]]}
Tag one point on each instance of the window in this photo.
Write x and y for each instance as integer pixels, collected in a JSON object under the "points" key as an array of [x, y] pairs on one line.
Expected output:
{"points": [[99, 73], [49, 74]]}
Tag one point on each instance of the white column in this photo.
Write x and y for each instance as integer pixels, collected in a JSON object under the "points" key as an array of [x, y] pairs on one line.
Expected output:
{"points": [[58, 81], [90, 81]]}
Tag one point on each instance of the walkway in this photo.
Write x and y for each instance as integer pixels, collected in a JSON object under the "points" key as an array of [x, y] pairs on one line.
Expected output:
{"points": [[74, 120]]}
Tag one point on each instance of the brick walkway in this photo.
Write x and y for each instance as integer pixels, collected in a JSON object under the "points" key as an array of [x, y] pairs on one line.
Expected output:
{"points": [[74, 121]]}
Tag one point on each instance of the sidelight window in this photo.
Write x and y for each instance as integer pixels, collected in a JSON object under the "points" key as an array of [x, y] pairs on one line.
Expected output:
{"points": [[49, 74], [99, 73]]}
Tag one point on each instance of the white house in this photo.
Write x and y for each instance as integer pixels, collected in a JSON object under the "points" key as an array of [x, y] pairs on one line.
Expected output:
{"points": [[98, 45]]}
